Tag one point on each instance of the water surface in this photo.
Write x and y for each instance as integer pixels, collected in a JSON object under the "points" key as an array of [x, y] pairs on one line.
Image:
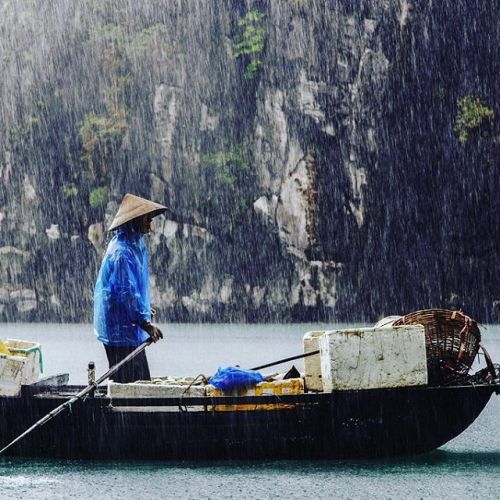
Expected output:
{"points": [[467, 467]]}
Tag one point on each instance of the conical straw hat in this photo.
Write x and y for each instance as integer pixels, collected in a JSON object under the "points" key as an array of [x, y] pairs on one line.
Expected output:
{"points": [[134, 206]]}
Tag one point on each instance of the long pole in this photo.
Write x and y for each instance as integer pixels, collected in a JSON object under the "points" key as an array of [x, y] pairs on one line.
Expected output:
{"points": [[79, 395], [284, 360]]}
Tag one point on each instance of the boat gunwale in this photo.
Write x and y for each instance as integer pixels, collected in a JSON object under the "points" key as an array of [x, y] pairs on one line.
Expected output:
{"points": [[101, 399]]}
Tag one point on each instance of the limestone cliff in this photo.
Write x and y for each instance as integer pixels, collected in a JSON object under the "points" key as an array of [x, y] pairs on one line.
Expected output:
{"points": [[323, 159]]}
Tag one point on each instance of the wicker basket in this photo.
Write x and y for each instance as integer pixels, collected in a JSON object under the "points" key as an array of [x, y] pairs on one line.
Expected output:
{"points": [[452, 342]]}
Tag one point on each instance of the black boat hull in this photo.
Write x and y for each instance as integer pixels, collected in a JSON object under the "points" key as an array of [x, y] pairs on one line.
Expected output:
{"points": [[369, 423]]}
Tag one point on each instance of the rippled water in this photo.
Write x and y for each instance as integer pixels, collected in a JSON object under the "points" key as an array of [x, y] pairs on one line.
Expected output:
{"points": [[467, 467]]}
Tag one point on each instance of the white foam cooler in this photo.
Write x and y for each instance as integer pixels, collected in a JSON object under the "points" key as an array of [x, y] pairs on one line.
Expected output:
{"points": [[371, 358], [21, 367], [151, 390], [312, 364]]}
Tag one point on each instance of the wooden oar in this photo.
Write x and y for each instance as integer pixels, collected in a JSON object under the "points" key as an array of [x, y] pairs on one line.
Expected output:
{"points": [[79, 395], [284, 360]]}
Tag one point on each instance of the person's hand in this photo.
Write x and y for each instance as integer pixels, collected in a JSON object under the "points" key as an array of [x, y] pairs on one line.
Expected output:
{"points": [[153, 331]]}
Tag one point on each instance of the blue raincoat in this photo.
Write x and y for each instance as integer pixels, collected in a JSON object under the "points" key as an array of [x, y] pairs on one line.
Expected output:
{"points": [[121, 294]]}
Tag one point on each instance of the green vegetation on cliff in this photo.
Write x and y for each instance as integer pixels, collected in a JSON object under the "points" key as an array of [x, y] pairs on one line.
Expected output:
{"points": [[99, 133], [472, 114], [230, 179], [69, 190], [98, 197], [251, 41]]}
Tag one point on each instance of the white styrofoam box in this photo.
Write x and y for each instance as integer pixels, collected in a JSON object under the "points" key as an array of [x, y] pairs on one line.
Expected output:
{"points": [[151, 390], [11, 374], [32, 352], [20, 368], [387, 321], [312, 364], [370, 358]]}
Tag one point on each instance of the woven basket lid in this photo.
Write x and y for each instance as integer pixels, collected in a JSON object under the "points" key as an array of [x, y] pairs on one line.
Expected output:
{"points": [[134, 206]]}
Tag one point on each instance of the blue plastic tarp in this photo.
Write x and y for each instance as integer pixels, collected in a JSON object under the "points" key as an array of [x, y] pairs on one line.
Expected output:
{"points": [[234, 377]]}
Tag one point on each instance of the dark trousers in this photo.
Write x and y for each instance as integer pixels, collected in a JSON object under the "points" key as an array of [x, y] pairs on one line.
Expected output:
{"points": [[135, 369]]}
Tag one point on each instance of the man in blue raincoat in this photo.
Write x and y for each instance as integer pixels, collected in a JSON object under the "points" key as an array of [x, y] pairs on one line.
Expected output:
{"points": [[122, 307]]}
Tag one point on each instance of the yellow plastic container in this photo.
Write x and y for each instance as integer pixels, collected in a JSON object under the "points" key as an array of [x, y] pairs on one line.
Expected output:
{"points": [[4, 349], [276, 388]]}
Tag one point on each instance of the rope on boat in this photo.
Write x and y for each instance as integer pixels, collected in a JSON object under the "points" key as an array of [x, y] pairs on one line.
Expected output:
{"points": [[203, 378], [10, 351]]}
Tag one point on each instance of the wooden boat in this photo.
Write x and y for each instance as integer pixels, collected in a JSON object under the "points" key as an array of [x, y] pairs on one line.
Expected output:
{"points": [[369, 421], [358, 423]]}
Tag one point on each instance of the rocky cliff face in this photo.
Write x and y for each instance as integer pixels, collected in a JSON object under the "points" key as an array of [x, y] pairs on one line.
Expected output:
{"points": [[323, 159]]}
